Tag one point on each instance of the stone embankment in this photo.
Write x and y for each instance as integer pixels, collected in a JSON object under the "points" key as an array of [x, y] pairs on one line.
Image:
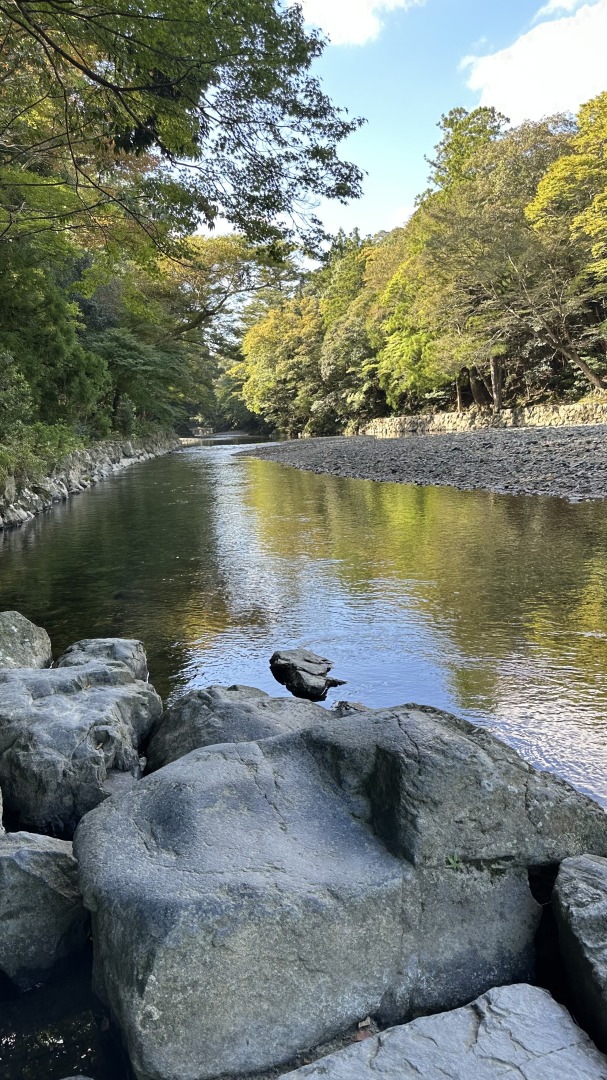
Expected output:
{"points": [[570, 462], [475, 419], [276, 876], [77, 471]]}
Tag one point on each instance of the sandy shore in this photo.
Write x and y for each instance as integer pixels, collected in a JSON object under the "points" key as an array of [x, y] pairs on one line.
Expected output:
{"points": [[569, 462]]}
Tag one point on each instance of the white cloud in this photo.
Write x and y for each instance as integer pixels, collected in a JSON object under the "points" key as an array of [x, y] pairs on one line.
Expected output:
{"points": [[558, 7], [554, 67], [352, 22]]}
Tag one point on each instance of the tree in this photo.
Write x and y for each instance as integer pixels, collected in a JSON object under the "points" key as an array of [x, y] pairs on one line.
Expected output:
{"points": [[166, 113]]}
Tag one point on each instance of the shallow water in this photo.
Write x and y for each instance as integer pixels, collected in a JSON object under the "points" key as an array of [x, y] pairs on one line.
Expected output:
{"points": [[494, 607]]}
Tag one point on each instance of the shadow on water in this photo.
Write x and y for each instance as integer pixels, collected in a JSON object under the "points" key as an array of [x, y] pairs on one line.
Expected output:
{"points": [[492, 606]]}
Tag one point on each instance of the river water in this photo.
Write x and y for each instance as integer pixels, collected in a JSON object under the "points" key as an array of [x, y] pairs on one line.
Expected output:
{"points": [[491, 606]]}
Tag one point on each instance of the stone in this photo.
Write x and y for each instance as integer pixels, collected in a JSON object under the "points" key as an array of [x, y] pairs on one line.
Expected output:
{"points": [[510, 1033], [580, 905], [22, 644], [69, 738], [224, 714], [303, 673], [125, 651], [253, 900], [42, 920]]}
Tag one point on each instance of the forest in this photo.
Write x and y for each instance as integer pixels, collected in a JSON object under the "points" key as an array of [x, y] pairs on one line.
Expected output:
{"points": [[161, 259]]}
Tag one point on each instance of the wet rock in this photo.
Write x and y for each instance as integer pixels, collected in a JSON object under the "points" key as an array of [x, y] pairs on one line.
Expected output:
{"points": [[68, 737], [512, 1031], [125, 651], [22, 644], [253, 900], [304, 674], [580, 903], [220, 714], [42, 919]]}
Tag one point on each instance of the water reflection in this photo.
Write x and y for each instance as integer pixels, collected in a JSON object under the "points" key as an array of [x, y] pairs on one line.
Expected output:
{"points": [[492, 606]]}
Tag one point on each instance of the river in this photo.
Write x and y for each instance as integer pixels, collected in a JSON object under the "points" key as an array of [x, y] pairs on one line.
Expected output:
{"points": [[491, 606]]}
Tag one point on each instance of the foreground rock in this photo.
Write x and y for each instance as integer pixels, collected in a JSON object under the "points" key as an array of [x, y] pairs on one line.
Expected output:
{"points": [[225, 714], [253, 900], [124, 651], [69, 737], [304, 674], [22, 644], [42, 919], [511, 1033], [580, 902]]}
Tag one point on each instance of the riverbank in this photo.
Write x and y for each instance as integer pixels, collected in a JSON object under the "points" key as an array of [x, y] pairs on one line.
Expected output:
{"points": [[568, 462], [20, 501]]}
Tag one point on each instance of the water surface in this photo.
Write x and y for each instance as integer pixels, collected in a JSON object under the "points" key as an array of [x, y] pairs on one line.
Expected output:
{"points": [[492, 606]]}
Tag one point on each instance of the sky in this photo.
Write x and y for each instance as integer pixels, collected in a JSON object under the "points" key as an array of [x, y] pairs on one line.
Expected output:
{"points": [[403, 63]]}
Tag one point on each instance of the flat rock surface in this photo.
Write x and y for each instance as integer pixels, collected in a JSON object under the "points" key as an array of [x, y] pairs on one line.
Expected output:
{"points": [[69, 737], [570, 462], [580, 904], [511, 1033], [253, 900], [225, 714], [22, 643], [42, 919]]}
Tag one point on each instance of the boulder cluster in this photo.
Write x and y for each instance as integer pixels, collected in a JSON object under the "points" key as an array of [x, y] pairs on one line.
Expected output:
{"points": [[263, 876]]}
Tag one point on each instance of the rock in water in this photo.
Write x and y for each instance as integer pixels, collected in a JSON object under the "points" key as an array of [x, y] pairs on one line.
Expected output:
{"points": [[22, 644], [225, 714], [252, 900], [42, 919], [69, 737], [511, 1032], [303, 673], [580, 903]]}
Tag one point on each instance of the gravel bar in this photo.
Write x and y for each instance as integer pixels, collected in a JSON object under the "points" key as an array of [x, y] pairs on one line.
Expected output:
{"points": [[568, 462]]}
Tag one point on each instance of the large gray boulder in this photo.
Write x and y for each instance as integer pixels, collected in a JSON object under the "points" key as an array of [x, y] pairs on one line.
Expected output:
{"points": [[22, 643], [580, 904], [510, 1033], [125, 651], [252, 900], [222, 714], [304, 674], [69, 737], [42, 919]]}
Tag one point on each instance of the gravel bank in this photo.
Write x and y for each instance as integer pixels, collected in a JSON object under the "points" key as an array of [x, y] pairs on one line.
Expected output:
{"points": [[570, 462]]}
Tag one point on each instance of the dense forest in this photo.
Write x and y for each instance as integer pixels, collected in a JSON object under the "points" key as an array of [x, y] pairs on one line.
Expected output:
{"points": [[493, 293], [160, 258]]}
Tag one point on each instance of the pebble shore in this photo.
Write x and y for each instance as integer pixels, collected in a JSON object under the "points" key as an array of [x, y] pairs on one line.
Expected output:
{"points": [[567, 462]]}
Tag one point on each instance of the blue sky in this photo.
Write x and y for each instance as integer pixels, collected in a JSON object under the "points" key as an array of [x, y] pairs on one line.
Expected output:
{"points": [[401, 64]]}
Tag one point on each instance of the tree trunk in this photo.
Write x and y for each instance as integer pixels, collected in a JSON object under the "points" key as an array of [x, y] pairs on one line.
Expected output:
{"points": [[458, 391], [573, 358], [477, 389], [496, 384]]}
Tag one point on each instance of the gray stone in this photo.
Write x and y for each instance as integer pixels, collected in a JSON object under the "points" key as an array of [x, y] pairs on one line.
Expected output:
{"points": [[69, 737], [510, 1033], [125, 651], [220, 714], [42, 919], [304, 674], [253, 900], [580, 904], [22, 644]]}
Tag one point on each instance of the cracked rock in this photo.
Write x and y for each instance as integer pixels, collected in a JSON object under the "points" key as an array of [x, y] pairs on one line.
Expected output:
{"points": [[304, 674], [225, 714], [253, 900], [511, 1033], [69, 737]]}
